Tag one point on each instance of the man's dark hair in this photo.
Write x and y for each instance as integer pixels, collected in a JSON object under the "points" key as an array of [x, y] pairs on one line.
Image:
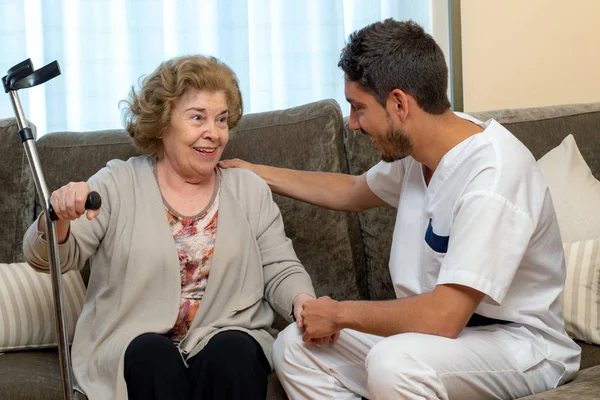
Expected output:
{"points": [[392, 55]]}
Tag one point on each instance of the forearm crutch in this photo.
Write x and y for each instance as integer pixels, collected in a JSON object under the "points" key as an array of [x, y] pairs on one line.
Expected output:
{"points": [[23, 76]]}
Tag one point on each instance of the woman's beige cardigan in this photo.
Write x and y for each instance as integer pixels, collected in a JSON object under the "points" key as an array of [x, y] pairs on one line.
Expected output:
{"points": [[135, 286]]}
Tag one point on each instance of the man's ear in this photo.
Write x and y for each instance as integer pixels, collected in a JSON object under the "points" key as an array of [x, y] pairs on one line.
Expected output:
{"points": [[399, 102]]}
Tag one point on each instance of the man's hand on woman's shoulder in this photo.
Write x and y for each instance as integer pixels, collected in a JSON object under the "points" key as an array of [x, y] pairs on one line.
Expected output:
{"points": [[236, 163]]}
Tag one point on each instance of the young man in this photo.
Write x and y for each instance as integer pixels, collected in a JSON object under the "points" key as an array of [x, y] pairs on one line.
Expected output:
{"points": [[476, 259]]}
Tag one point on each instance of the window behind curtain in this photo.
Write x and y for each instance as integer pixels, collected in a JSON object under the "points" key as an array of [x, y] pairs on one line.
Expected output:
{"points": [[284, 52]]}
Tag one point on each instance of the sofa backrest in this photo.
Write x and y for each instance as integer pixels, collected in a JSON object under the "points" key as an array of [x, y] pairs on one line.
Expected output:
{"points": [[540, 129], [308, 137], [377, 225], [75, 156], [17, 192]]}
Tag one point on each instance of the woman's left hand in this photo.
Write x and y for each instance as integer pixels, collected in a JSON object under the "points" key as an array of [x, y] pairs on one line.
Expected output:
{"points": [[298, 304]]}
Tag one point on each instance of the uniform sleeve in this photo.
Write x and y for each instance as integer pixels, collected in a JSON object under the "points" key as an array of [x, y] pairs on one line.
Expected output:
{"points": [[84, 236], [487, 243], [385, 180]]}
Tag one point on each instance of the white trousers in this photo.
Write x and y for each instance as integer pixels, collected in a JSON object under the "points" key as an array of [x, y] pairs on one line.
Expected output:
{"points": [[493, 362]]}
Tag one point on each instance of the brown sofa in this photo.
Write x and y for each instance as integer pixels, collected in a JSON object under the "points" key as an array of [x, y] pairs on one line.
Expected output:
{"points": [[346, 254]]}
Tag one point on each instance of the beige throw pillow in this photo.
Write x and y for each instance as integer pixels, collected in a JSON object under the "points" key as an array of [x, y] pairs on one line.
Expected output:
{"points": [[27, 308], [575, 192], [576, 197], [581, 298]]}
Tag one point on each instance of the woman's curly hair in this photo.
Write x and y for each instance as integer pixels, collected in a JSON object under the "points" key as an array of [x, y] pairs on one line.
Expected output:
{"points": [[147, 113]]}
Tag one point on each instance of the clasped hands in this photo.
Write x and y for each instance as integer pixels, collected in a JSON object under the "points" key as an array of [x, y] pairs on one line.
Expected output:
{"points": [[317, 317]]}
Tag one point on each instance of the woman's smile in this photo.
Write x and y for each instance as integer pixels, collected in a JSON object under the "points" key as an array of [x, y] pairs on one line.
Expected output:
{"points": [[205, 151]]}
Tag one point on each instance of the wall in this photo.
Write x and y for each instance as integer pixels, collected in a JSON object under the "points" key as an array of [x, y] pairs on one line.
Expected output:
{"points": [[529, 53]]}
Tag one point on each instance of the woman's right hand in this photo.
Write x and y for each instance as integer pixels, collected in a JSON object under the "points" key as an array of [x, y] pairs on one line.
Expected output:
{"points": [[68, 204]]}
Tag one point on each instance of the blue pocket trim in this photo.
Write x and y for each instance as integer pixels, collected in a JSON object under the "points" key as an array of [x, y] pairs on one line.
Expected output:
{"points": [[437, 243]]}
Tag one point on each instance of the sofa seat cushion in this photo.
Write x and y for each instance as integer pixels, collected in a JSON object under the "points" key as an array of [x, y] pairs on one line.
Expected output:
{"points": [[274, 389], [590, 355], [585, 386], [29, 375]]}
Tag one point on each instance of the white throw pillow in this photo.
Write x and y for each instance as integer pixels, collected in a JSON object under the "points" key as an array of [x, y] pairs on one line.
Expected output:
{"points": [[575, 192], [581, 298], [27, 318]]}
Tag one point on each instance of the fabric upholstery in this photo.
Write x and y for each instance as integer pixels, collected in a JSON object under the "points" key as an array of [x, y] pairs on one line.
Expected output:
{"points": [[27, 318], [308, 137], [30, 375], [543, 128], [586, 385], [590, 355], [377, 225], [35, 375], [76, 156], [17, 193], [274, 389], [540, 129], [302, 138], [581, 298]]}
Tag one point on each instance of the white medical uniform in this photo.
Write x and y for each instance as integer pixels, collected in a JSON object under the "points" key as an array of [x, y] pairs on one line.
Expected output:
{"points": [[485, 221]]}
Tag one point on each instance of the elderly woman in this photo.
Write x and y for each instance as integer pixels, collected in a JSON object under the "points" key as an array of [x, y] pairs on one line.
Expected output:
{"points": [[187, 260]]}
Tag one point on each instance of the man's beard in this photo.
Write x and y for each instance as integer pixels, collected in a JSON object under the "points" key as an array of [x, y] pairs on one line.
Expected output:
{"points": [[395, 145]]}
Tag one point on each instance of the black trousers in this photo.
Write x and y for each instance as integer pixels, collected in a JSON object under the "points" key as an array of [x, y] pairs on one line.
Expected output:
{"points": [[231, 366]]}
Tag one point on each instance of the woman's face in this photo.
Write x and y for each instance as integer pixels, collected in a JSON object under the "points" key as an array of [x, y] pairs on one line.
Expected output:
{"points": [[197, 135]]}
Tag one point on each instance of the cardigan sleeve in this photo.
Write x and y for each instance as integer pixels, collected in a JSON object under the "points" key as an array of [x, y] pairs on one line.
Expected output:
{"points": [[84, 236], [284, 275]]}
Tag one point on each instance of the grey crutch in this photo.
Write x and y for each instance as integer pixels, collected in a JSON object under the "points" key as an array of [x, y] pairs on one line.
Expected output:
{"points": [[23, 76]]}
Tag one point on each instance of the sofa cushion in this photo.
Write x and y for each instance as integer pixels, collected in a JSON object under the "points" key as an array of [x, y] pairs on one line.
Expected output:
{"points": [[543, 128], [17, 194], [576, 195], [76, 156], [575, 192], [590, 355], [583, 387], [581, 297], [377, 224], [307, 137], [310, 138], [540, 129], [30, 375], [27, 318]]}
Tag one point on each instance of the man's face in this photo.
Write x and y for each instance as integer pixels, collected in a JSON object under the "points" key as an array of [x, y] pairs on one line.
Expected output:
{"points": [[375, 122]]}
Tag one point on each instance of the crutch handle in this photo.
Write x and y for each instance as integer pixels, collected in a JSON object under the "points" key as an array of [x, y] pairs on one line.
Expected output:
{"points": [[16, 73], [22, 75], [93, 202]]}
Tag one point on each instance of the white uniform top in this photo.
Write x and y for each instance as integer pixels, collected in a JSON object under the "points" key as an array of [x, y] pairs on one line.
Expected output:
{"points": [[485, 221]]}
